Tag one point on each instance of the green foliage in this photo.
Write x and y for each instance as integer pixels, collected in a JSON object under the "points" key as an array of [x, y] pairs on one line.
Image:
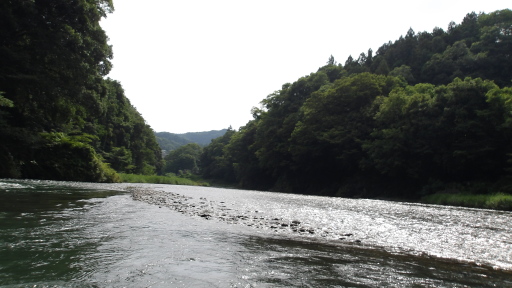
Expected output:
{"points": [[400, 120], [497, 201], [242, 153], [170, 141], [456, 61], [204, 138], [400, 123], [403, 72], [214, 162], [327, 142], [120, 159], [5, 102], [478, 47], [54, 56], [171, 179], [127, 142], [275, 125], [63, 157], [345, 131], [183, 158], [448, 133]]}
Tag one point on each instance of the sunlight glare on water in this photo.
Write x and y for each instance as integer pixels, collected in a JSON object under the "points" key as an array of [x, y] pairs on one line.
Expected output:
{"points": [[60, 234], [473, 235]]}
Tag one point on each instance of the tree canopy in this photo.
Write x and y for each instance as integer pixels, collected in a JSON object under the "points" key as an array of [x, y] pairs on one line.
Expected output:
{"points": [[60, 118], [428, 112], [184, 158]]}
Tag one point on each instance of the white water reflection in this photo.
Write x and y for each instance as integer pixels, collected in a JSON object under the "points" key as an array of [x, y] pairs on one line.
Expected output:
{"points": [[103, 239], [471, 235]]}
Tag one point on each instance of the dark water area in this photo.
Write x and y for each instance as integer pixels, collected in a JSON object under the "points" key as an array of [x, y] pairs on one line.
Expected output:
{"points": [[62, 234]]}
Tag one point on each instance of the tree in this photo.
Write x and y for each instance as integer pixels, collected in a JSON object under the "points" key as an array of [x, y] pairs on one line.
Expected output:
{"points": [[213, 159], [4, 102], [380, 66], [401, 145], [184, 158], [240, 152], [456, 133], [327, 142], [54, 57], [369, 58], [456, 61], [331, 61], [276, 126], [344, 131], [404, 72], [473, 142], [494, 46]]}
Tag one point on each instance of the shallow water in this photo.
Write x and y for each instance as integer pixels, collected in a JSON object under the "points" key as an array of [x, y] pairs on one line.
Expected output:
{"points": [[60, 234]]}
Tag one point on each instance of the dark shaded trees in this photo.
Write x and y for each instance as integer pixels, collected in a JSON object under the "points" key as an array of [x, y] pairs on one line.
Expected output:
{"points": [[367, 128], [478, 47], [494, 45], [371, 135], [54, 57], [171, 141], [184, 158], [327, 141], [214, 161], [447, 133]]}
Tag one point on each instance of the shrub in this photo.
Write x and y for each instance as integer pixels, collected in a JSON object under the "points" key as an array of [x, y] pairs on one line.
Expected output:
{"points": [[496, 201]]}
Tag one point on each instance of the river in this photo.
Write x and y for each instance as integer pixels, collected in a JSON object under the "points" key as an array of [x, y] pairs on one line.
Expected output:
{"points": [[65, 234]]}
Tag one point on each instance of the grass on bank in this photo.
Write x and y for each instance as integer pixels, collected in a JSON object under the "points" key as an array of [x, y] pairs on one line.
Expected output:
{"points": [[168, 179], [497, 201]]}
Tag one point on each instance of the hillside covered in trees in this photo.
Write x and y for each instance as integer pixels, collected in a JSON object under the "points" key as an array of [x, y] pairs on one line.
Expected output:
{"points": [[60, 117], [431, 111], [172, 141]]}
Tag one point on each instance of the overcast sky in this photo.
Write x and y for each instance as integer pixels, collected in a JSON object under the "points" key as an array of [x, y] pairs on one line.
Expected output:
{"points": [[191, 66]]}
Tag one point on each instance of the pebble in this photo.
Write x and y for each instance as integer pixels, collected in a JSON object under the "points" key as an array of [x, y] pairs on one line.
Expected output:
{"points": [[211, 210]]}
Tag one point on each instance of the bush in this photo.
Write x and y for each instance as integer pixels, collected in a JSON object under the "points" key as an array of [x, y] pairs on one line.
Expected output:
{"points": [[497, 201], [69, 158], [170, 179]]}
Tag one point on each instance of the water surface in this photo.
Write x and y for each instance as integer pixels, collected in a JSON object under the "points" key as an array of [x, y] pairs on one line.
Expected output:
{"points": [[61, 234]]}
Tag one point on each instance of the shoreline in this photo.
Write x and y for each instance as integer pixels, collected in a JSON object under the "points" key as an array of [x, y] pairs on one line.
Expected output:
{"points": [[296, 228], [219, 211]]}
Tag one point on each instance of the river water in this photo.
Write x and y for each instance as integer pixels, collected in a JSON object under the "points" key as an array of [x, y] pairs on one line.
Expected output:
{"points": [[63, 234]]}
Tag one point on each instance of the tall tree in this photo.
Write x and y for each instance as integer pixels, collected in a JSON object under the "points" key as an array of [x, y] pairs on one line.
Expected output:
{"points": [[184, 158], [54, 57], [327, 142]]}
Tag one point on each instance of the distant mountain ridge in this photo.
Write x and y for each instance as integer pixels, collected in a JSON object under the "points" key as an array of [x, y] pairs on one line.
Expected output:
{"points": [[170, 141]]}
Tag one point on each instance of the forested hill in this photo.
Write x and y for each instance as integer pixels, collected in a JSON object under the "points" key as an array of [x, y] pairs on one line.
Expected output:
{"points": [[171, 141], [431, 111], [60, 117]]}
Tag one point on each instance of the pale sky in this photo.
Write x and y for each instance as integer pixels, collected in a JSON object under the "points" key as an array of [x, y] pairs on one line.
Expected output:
{"points": [[192, 66]]}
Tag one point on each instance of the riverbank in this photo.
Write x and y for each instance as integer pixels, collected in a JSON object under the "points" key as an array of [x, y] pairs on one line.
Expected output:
{"points": [[155, 179], [497, 201], [406, 228], [225, 212]]}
